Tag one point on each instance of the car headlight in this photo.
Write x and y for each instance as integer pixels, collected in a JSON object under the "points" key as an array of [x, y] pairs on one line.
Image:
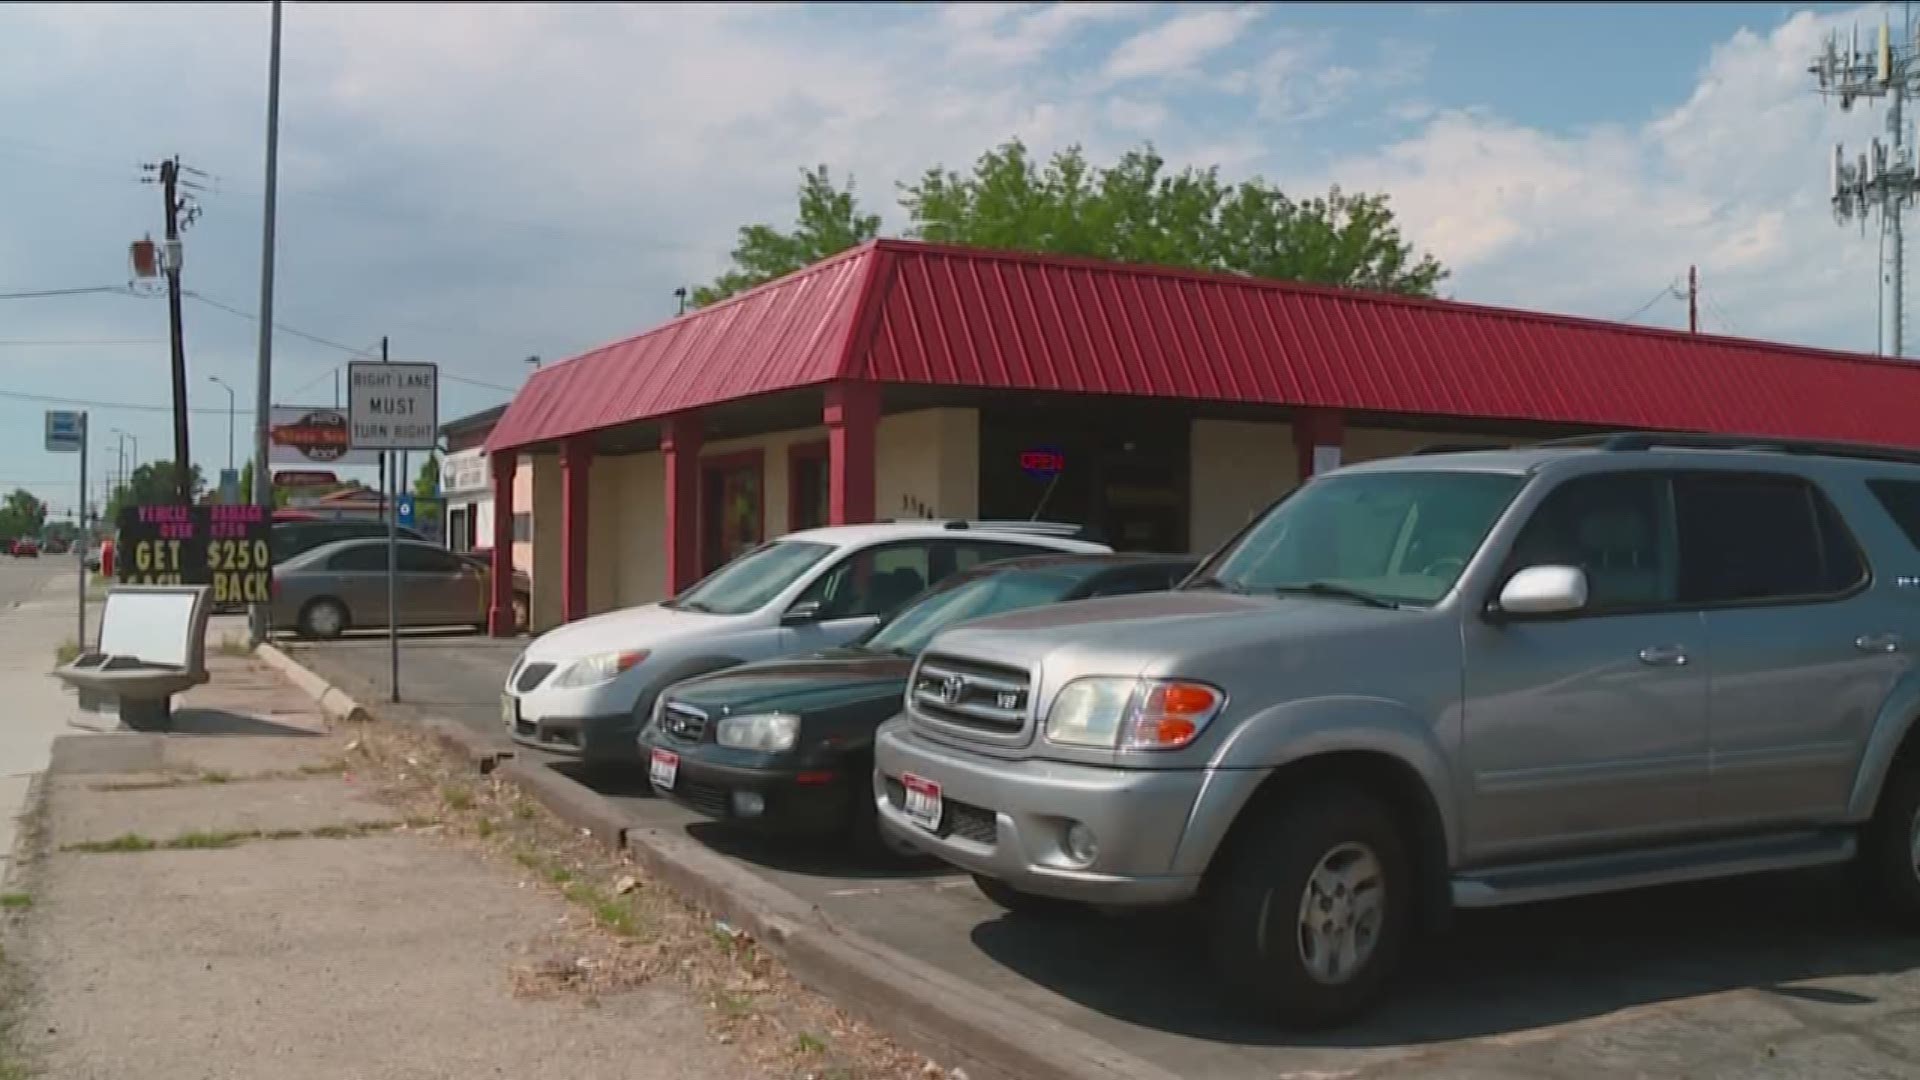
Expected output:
{"points": [[598, 668], [1131, 714], [759, 731]]}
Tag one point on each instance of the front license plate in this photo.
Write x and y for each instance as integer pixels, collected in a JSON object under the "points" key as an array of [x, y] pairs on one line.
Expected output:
{"points": [[509, 710], [923, 801], [663, 769]]}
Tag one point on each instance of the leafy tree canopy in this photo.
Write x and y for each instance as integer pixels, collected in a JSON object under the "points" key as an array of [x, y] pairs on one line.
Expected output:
{"points": [[152, 484], [22, 515], [830, 221]]}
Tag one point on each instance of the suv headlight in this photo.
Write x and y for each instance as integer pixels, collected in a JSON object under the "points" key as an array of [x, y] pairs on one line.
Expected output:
{"points": [[597, 668], [772, 732], [1131, 714]]}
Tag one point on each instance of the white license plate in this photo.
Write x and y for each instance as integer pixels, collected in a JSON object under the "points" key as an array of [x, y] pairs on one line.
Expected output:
{"points": [[922, 802], [664, 767], [509, 710]]}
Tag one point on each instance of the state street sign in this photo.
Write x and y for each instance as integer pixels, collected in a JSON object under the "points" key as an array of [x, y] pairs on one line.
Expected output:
{"points": [[64, 434], [393, 406]]}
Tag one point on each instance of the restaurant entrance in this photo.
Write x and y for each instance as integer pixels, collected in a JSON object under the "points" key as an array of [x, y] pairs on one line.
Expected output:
{"points": [[1117, 468]]}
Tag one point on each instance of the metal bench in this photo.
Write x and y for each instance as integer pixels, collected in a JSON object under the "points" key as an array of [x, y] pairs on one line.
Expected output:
{"points": [[152, 645]]}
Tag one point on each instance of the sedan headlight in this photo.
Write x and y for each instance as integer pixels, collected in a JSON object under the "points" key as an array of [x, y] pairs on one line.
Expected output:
{"points": [[771, 732], [1131, 714], [598, 668]]}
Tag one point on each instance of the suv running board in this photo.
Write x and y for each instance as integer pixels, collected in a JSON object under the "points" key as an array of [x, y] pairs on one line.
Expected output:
{"points": [[1672, 865]]}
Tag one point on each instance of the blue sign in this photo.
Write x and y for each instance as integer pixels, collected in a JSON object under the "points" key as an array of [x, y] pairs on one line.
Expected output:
{"points": [[65, 431], [406, 511], [1043, 462]]}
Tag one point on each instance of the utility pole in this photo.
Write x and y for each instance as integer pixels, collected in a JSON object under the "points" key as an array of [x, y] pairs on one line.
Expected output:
{"points": [[1885, 179], [263, 373], [176, 207], [1693, 299]]}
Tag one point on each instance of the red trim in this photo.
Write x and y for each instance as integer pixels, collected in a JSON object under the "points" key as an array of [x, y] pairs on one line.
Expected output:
{"points": [[1316, 427], [755, 460], [680, 437], [797, 453], [576, 468], [500, 620], [853, 422]]}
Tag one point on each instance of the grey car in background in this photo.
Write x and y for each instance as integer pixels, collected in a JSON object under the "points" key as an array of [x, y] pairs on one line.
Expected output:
{"points": [[341, 586]]}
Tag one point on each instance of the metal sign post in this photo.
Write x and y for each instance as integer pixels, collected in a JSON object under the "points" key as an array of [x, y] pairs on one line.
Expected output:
{"points": [[67, 433], [392, 407]]}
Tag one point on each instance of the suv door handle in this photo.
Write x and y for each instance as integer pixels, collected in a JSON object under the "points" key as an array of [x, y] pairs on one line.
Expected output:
{"points": [[1664, 655], [1877, 643]]}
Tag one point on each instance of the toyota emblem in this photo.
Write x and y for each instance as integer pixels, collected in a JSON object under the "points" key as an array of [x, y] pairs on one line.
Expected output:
{"points": [[952, 689]]}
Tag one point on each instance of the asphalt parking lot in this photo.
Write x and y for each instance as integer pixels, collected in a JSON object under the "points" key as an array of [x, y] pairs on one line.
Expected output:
{"points": [[1780, 976]]}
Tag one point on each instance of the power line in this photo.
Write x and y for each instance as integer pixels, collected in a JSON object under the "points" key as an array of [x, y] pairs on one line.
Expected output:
{"points": [[34, 343], [1666, 291], [280, 326], [1719, 313], [130, 406], [39, 293]]}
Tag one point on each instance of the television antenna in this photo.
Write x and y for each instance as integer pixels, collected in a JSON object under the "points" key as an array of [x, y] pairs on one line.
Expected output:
{"points": [[1884, 177]]}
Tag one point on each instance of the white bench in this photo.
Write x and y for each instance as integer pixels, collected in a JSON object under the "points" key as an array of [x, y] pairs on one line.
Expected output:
{"points": [[152, 645]]}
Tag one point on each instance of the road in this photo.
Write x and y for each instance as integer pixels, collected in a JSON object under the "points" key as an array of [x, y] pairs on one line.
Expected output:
{"points": [[37, 597], [1774, 976]]}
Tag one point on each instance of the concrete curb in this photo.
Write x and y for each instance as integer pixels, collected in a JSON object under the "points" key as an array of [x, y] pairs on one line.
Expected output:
{"points": [[27, 834], [336, 705], [948, 1019]]}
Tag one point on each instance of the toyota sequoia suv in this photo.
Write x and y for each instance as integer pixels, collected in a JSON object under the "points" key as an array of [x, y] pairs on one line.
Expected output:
{"points": [[1466, 679]]}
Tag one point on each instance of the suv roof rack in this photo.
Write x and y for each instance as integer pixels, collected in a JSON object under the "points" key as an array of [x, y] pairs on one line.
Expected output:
{"points": [[1653, 440], [1457, 448], [1039, 528]]}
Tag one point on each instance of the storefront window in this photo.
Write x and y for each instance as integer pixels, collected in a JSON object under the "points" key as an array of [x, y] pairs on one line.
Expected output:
{"points": [[731, 507]]}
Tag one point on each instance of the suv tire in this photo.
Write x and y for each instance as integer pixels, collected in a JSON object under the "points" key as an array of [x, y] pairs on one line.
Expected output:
{"points": [[1022, 903], [1890, 846], [1335, 852]]}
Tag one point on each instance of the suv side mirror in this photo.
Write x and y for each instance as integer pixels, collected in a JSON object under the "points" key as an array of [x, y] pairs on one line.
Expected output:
{"points": [[1543, 590], [805, 611]]}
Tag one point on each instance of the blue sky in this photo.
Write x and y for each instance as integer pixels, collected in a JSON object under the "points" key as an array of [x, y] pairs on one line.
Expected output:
{"points": [[491, 182]]}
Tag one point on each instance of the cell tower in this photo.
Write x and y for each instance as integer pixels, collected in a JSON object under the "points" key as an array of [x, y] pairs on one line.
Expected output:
{"points": [[1883, 178]]}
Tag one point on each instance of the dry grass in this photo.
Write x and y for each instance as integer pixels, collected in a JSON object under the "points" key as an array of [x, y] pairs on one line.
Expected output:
{"points": [[65, 652], [624, 930]]}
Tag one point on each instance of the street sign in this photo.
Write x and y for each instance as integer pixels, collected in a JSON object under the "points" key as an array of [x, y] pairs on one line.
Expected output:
{"points": [[305, 478], [405, 506], [312, 435], [393, 406], [229, 486], [65, 433], [226, 547]]}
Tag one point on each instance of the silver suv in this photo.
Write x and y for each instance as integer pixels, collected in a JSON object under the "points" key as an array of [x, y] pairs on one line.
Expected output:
{"points": [[1461, 680]]}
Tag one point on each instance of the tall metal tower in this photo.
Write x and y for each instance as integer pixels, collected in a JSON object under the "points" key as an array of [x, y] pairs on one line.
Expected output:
{"points": [[1884, 178]]}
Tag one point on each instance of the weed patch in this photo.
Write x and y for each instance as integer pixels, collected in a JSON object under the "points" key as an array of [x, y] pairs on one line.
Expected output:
{"points": [[206, 841], [456, 796], [126, 842], [15, 901]]}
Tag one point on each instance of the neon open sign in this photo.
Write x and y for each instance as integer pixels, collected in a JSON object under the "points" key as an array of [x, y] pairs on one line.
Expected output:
{"points": [[1042, 461]]}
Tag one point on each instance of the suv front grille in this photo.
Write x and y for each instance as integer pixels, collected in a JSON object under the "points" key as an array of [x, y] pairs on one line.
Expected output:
{"points": [[987, 700], [531, 676], [683, 723]]}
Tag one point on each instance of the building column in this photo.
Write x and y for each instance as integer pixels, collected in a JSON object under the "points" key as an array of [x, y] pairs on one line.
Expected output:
{"points": [[1318, 433], [576, 466], [853, 422], [500, 620], [680, 440]]}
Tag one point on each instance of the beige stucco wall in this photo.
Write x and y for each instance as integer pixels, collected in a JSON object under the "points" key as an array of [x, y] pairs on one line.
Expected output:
{"points": [[547, 580], [1237, 467], [522, 501], [1369, 444], [928, 464]]}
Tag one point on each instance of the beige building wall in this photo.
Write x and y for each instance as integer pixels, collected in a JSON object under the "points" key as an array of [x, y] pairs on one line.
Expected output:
{"points": [[638, 514], [1238, 467], [1370, 444], [522, 503], [604, 496], [546, 505], [928, 464]]}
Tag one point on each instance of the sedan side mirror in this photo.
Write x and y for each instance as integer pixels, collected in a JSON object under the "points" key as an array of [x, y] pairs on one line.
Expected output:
{"points": [[1543, 590], [805, 611]]}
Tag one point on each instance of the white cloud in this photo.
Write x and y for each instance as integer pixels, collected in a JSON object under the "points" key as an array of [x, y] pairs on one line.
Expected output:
{"points": [[1012, 34], [1177, 45], [1134, 114]]}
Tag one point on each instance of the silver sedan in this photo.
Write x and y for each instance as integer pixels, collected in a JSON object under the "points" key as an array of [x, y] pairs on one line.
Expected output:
{"points": [[340, 586]]}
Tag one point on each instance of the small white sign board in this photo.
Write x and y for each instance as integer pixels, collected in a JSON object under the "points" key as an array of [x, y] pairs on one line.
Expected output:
{"points": [[1325, 459], [65, 433], [393, 406]]}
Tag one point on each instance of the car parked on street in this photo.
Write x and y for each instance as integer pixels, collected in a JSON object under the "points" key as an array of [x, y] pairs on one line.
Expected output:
{"points": [[586, 688], [1462, 680], [25, 547], [326, 591], [287, 539], [786, 746]]}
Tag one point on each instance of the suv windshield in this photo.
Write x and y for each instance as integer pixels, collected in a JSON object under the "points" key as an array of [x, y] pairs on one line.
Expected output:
{"points": [[1398, 537], [748, 582], [1008, 590]]}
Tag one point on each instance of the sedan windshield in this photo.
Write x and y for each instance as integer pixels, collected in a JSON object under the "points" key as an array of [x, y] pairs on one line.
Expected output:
{"points": [[748, 582], [1387, 538], [1008, 590]]}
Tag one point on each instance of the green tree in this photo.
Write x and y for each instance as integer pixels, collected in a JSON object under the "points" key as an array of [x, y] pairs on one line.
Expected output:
{"points": [[1137, 210], [427, 484], [829, 222], [22, 515], [151, 484]]}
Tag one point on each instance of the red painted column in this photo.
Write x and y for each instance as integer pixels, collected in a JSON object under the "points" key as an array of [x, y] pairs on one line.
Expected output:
{"points": [[500, 620], [853, 424], [680, 446], [1316, 428], [576, 464]]}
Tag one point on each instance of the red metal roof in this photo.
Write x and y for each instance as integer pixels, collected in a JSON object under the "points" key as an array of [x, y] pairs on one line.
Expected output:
{"points": [[903, 312]]}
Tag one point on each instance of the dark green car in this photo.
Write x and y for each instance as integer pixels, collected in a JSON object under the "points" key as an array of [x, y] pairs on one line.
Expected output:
{"points": [[786, 746]]}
